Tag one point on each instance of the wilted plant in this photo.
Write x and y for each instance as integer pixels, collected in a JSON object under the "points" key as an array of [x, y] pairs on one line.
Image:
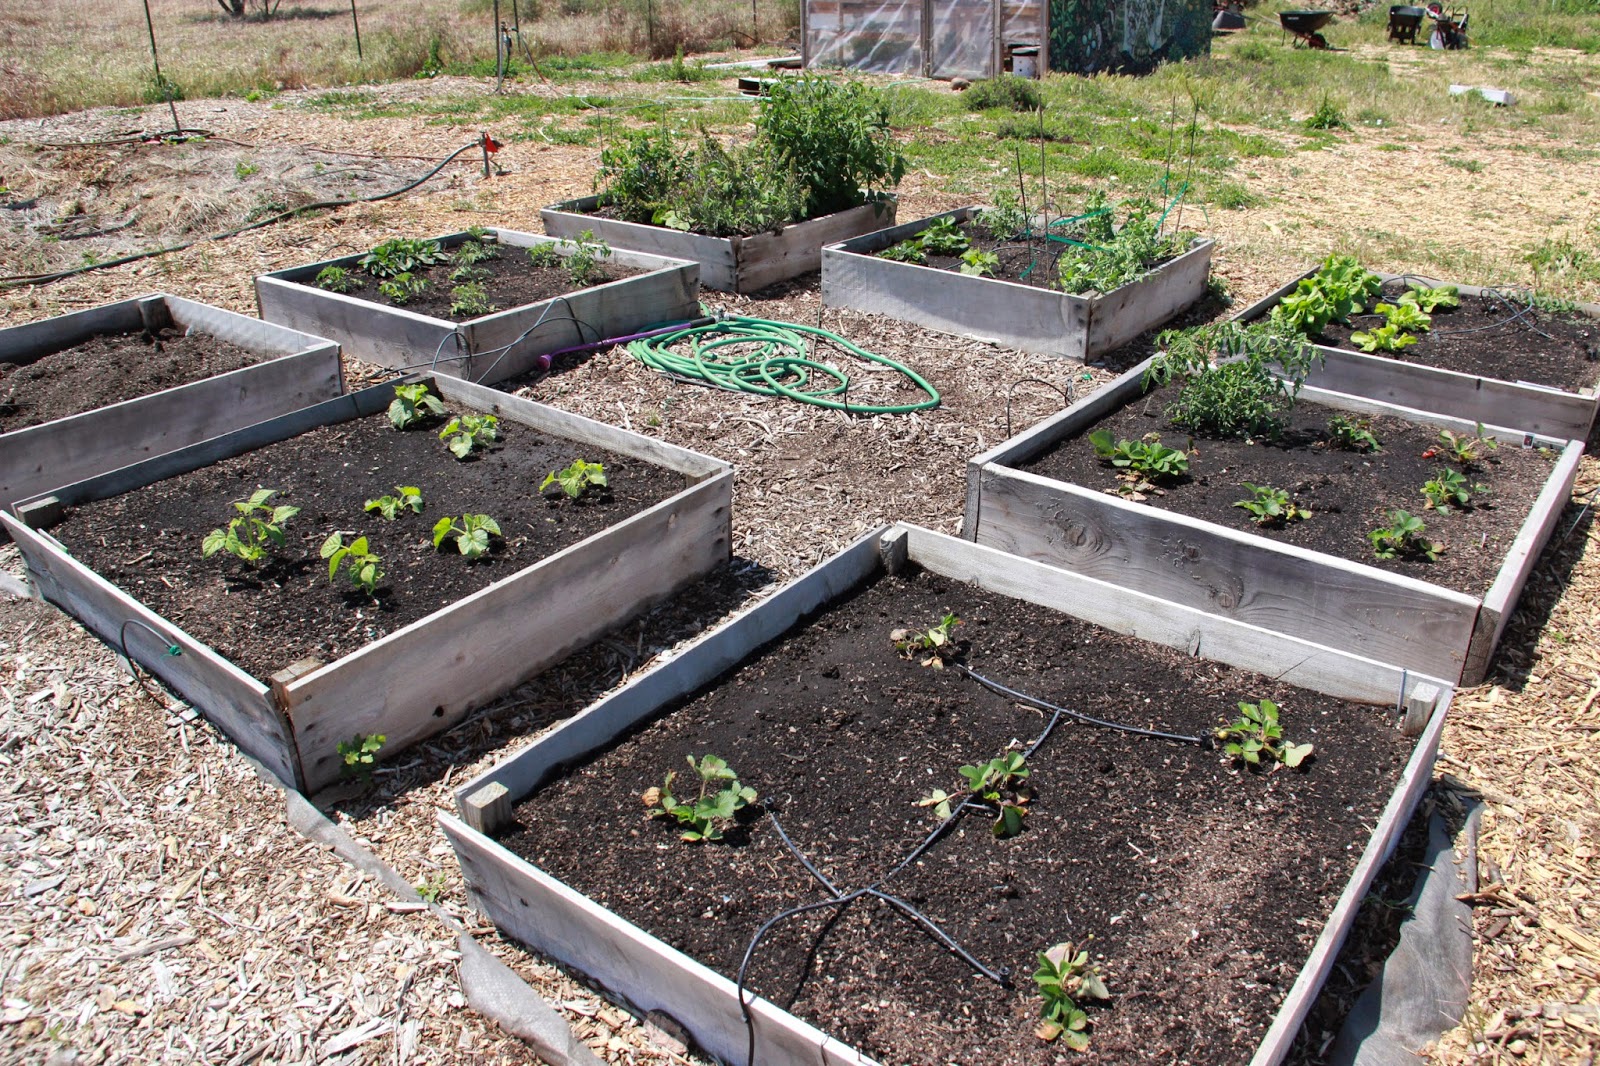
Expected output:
{"points": [[933, 642], [1065, 978]]}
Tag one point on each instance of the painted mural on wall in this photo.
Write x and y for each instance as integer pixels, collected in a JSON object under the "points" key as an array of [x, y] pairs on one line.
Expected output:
{"points": [[1131, 36]]}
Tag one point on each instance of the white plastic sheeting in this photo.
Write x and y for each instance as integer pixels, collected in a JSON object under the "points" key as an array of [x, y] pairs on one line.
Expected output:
{"points": [[941, 38]]}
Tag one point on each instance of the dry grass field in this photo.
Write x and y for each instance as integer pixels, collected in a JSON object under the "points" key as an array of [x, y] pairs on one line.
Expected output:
{"points": [[292, 957]]}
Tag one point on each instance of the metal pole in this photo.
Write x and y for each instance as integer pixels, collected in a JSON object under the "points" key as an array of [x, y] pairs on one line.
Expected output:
{"points": [[499, 65], [357, 23], [755, 24], [155, 61]]}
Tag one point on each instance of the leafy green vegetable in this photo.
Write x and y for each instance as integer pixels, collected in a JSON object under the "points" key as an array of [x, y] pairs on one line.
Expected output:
{"points": [[363, 569], [577, 478], [413, 405], [408, 497], [1257, 733], [465, 434], [248, 537], [472, 533]]}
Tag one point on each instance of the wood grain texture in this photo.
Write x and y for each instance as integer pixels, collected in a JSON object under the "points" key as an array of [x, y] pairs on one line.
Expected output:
{"points": [[235, 702]]}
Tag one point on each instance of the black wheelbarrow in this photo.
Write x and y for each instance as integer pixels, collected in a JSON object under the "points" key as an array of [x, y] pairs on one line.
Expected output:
{"points": [[1305, 24], [1404, 22]]}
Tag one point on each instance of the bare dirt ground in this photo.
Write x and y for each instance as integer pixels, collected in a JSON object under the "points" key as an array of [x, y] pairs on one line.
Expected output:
{"points": [[153, 903]]}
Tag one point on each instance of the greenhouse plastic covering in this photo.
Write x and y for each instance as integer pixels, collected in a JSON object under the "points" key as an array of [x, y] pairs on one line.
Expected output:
{"points": [[888, 37]]}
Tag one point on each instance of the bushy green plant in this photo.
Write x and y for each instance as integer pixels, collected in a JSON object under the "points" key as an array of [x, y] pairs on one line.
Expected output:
{"points": [[577, 478], [1005, 218], [545, 255], [1340, 288], [473, 251], [401, 255], [713, 811], [413, 405], [403, 288], [943, 236], [465, 434], [1352, 435], [337, 279], [1235, 377], [1007, 91], [362, 564], [470, 300], [1327, 117], [1141, 464], [259, 525], [979, 263], [472, 533], [834, 135], [739, 189], [1257, 734], [1108, 256], [1065, 978], [639, 173]]}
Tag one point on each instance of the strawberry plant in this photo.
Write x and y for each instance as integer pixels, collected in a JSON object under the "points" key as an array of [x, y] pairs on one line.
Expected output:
{"points": [[1271, 507], [999, 784], [577, 478], [337, 279], [472, 533], [362, 564], [465, 434], [1447, 488], [408, 497], [933, 642], [1466, 449], [1257, 734], [249, 536], [720, 799], [1142, 464], [413, 405], [359, 755], [1235, 378], [1352, 435], [1065, 978], [1404, 536]]}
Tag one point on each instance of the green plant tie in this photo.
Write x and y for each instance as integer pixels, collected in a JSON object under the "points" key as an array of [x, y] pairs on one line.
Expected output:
{"points": [[756, 355]]}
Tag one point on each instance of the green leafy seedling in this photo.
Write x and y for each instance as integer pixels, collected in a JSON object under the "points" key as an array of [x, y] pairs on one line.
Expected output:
{"points": [[1384, 338], [1352, 435], [1065, 978], [337, 279], [1406, 315], [465, 434], [359, 755], [999, 784], [470, 299], [944, 237], [1466, 449], [403, 288], [544, 255], [585, 261], [413, 405], [934, 642], [1404, 535], [431, 890], [472, 533], [1257, 734], [474, 251], [1449, 488], [577, 478], [905, 252], [1141, 464], [401, 255], [979, 263], [406, 498], [1271, 507], [713, 811], [249, 536], [360, 563], [1444, 297], [468, 275]]}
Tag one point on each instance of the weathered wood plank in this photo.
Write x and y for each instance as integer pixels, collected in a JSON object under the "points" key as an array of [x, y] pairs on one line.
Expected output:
{"points": [[427, 676], [234, 701]]}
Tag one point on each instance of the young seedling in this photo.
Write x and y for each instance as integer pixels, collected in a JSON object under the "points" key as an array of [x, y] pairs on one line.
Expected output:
{"points": [[337, 279], [1352, 435], [544, 255], [401, 255], [944, 237], [469, 299], [431, 889], [905, 252], [359, 755], [1404, 536], [259, 525], [584, 262], [1385, 338], [406, 498], [1065, 978], [474, 251], [1449, 488], [934, 642], [468, 275], [1257, 734], [1271, 507], [577, 478], [999, 784], [978, 263], [465, 434], [1142, 464], [1463, 449], [413, 405], [402, 288], [1444, 297], [704, 818], [472, 533], [361, 564], [1405, 315]]}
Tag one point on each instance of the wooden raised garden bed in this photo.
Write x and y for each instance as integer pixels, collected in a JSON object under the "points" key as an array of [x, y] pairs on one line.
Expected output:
{"points": [[1213, 946], [71, 413], [1508, 394], [442, 636], [727, 264], [659, 291], [1042, 320], [1396, 611]]}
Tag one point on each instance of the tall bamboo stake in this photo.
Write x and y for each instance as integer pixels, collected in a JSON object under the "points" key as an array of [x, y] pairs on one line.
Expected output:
{"points": [[155, 61], [357, 23]]}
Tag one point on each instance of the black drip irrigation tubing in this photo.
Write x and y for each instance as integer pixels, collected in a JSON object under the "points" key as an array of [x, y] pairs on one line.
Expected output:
{"points": [[1520, 312], [18, 280]]}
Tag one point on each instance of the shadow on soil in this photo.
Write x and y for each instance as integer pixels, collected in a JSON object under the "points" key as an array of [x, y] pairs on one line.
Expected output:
{"points": [[1547, 583]]}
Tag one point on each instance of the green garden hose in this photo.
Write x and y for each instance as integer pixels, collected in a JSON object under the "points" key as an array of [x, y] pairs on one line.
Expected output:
{"points": [[719, 354]]}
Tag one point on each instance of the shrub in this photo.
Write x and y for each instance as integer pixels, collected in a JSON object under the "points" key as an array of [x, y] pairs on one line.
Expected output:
{"points": [[1007, 91], [835, 137]]}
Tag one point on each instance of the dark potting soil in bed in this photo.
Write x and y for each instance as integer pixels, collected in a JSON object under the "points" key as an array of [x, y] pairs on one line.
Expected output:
{"points": [[1496, 337], [513, 281], [1203, 885], [148, 541], [1349, 494], [108, 369]]}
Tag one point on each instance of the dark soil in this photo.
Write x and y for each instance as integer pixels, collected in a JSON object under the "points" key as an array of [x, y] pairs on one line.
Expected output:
{"points": [[1507, 341], [1349, 494], [1203, 885], [108, 369], [513, 281], [148, 541], [1026, 262]]}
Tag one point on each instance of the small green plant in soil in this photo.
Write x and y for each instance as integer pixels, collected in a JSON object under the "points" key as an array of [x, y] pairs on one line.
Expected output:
{"points": [[471, 531], [584, 263], [709, 814], [934, 642], [1107, 256], [1327, 117], [413, 405], [1405, 315], [470, 299], [979, 264], [465, 434], [544, 255], [1385, 338], [468, 275], [474, 251], [360, 564], [1404, 535], [1352, 435], [430, 889], [1257, 734], [1065, 978], [577, 478], [1006, 218], [1443, 298], [251, 535], [401, 255], [1271, 507], [1340, 288], [1001, 785], [909, 251], [402, 288], [834, 135], [359, 755], [337, 279], [1449, 488], [943, 237], [1465, 449], [406, 498], [1234, 378], [1142, 464]]}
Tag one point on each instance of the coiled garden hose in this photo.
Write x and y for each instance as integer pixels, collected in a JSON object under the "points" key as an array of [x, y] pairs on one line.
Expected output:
{"points": [[718, 354]]}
